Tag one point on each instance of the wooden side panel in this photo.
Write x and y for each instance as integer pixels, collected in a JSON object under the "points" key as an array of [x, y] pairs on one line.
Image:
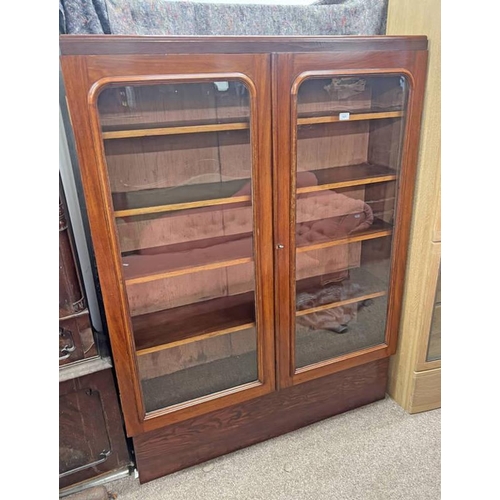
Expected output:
{"points": [[199, 439], [424, 17], [426, 391], [140, 163], [90, 423]]}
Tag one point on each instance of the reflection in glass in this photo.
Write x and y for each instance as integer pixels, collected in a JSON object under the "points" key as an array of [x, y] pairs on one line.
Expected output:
{"points": [[193, 370], [434, 347], [349, 137], [179, 162]]}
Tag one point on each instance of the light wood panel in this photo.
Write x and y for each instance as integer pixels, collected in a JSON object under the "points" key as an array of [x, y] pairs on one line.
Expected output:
{"points": [[180, 206], [379, 229], [156, 162], [187, 129], [188, 270], [353, 117], [327, 145], [201, 350], [409, 17], [349, 176], [426, 390]]}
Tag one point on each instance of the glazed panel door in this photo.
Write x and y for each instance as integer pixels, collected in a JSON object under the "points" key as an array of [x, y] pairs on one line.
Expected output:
{"points": [[346, 181], [184, 197]]}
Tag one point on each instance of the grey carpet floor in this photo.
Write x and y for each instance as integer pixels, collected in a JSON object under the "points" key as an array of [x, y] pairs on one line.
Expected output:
{"points": [[377, 452]]}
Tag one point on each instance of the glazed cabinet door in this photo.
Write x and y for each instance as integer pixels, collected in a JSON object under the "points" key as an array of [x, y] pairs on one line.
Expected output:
{"points": [[176, 164], [346, 162]]}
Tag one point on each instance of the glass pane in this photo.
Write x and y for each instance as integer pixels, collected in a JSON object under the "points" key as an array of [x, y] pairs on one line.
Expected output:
{"points": [[349, 138], [179, 162], [189, 371], [434, 347]]}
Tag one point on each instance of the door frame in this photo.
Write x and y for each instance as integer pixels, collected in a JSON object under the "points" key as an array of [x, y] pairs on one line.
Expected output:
{"points": [[85, 77], [289, 70]]}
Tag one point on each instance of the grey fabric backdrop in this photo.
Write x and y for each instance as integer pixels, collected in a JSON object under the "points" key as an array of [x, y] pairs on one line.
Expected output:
{"points": [[165, 17]]}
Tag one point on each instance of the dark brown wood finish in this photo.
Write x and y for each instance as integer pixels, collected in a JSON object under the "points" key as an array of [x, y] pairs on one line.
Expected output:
{"points": [[193, 320], [71, 298], [90, 423], [76, 336], [199, 439], [84, 78], [148, 45], [292, 69]]}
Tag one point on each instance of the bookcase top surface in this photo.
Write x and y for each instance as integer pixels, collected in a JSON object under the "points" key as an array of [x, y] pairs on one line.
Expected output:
{"points": [[154, 45]]}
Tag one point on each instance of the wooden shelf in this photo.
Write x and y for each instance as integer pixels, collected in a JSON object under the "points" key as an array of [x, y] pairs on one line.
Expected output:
{"points": [[174, 130], [312, 120], [182, 325], [241, 125], [159, 200], [348, 176], [180, 206], [340, 303], [188, 270], [188, 257], [378, 229], [361, 285], [152, 201], [201, 255], [194, 322]]}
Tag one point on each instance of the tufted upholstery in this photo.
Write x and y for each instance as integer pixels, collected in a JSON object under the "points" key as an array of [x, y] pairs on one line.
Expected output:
{"points": [[214, 234]]}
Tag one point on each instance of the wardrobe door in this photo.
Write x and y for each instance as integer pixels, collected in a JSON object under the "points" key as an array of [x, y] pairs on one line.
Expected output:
{"points": [[179, 190], [349, 169]]}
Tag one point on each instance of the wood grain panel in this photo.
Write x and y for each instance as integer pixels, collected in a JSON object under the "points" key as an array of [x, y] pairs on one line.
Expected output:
{"points": [[177, 291], [123, 44], [90, 416], [235, 155], [426, 391], [384, 147], [406, 16], [204, 350], [352, 118], [193, 320], [199, 439], [330, 145], [169, 229], [155, 162], [174, 130]]}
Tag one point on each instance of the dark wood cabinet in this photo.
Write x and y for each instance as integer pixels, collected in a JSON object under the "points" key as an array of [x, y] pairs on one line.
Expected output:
{"points": [[250, 203], [92, 440], [76, 337]]}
